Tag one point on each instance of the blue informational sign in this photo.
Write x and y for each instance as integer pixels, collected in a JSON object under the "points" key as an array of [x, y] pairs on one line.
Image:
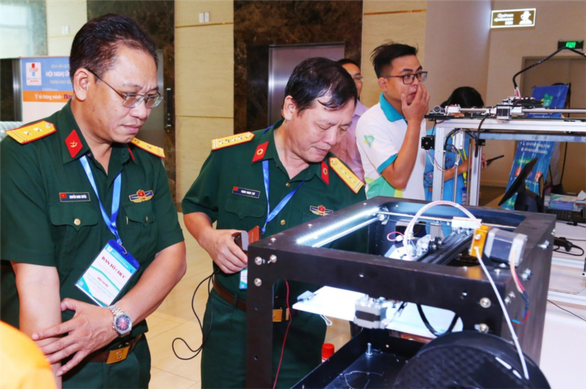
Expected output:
{"points": [[46, 86], [553, 96], [48, 74]]}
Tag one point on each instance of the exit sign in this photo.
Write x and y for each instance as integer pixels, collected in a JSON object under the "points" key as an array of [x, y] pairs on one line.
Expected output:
{"points": [[508, 18], [579, 45]]}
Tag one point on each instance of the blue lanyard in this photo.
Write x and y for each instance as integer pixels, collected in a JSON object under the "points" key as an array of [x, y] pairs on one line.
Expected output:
{"points": [[271, 214], [110, 221]]}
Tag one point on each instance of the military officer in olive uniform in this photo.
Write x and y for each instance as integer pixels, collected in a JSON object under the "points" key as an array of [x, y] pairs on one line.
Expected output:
{"points": [[290, 166], [80, 193]]}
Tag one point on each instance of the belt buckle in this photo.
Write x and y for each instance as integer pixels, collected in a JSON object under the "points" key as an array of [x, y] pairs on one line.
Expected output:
{"points": [[280, 315], [119, 354]]}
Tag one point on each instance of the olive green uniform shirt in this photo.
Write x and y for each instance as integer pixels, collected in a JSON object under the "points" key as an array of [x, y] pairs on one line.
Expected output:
{"points": [[40, 226], [231, 191]]}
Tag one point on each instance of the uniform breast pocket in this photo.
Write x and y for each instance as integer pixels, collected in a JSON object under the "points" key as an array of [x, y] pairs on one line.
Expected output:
{"points": [[246, 207], [139, 232], [74, 225]]}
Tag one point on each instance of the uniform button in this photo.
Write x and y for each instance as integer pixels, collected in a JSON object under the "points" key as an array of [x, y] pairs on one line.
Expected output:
{"points": [[146, 219], [283, 222], [288, 184], [77, 222]]}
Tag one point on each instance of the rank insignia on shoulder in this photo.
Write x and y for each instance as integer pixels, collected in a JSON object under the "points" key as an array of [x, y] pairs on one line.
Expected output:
{"points": [[346, 174], [141, 195], [320, 210], [227, 141], [32, 132], [156, 150]]}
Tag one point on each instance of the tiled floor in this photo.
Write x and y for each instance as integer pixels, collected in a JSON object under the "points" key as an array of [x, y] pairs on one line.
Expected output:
{"points": [[173, 319]]}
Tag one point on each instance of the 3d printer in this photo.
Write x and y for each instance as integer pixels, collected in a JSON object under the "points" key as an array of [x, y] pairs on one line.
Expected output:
{"points": [[438, 267]]}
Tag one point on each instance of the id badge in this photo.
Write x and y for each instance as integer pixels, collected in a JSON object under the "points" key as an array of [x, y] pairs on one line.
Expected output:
{"points": [[243, 279], [108, 274]]}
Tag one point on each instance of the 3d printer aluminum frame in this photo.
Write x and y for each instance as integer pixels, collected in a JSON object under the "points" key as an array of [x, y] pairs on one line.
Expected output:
{"points": [[459, 289]]}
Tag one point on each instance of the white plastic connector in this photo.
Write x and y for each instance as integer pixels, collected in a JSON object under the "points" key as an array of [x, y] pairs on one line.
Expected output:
{"points": [[464, 222]]}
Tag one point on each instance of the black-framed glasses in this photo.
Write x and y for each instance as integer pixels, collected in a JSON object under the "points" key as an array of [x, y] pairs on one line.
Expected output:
{"points": [[409, 78], [133, 100]]}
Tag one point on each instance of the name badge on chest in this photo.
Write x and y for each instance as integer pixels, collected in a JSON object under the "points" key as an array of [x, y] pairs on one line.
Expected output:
{"points": [[108, 274]]}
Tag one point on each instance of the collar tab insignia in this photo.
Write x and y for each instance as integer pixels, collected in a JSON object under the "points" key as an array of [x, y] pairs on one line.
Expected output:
{"points": [[346, 174], [141, 195], [32, 132], [232, 140], [325, 172], [73, 143], [320, 210], [155, 150], [260, 152]]}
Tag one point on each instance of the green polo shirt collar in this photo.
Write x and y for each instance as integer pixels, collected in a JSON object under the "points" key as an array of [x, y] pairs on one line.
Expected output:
{"points": [[314, 169], [390, 112]]}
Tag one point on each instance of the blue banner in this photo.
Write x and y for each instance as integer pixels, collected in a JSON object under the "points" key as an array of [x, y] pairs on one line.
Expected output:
{"points": [[553, 96]]}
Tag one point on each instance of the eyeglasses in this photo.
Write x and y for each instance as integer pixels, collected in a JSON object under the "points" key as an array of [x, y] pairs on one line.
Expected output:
{"points": [[133, 100], [408, 78]]}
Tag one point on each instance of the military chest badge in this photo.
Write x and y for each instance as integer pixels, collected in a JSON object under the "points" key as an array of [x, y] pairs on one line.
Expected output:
{"points": [[320, 210], [141, 195]]}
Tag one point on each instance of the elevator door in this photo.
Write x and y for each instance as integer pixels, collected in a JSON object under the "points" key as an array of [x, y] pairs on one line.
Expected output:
{"points": [[282, 61]]}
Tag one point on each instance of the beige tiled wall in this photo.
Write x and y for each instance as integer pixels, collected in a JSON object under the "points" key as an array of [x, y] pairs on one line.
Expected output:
{"points": [[204, 83], [71, 14], [384, 21]]}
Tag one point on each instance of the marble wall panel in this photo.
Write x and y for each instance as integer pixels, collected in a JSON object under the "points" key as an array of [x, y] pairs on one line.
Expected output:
{"points": [[205, 70], [386, 27], [258, 24], [68, 14], [221, 11], [198, 133]]}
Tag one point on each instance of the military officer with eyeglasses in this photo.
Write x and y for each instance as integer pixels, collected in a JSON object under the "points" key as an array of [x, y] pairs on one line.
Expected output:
{"points": [[90, 243], [388, 134]]}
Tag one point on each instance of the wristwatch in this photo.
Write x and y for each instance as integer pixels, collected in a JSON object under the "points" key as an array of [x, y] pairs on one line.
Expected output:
{"points": [[121, 323]]}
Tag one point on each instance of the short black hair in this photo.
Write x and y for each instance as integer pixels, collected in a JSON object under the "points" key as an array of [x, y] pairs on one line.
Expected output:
{"points": [[317, 77], [384, 55], [345, 61], [95, 44], [465, 97]]}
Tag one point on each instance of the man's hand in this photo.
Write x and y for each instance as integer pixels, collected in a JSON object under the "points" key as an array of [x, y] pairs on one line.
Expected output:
{"points": [[419, 107], [218, 243], [224, 252], [89, 330]]}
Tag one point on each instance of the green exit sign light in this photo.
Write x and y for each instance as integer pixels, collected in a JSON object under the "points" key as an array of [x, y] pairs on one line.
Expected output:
{"points": [[578, 45]]}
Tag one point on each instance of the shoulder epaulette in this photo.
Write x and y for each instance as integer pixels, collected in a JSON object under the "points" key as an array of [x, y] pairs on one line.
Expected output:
{"points": [[232, 140], [32, 132], [156, 150], [346, 174]]}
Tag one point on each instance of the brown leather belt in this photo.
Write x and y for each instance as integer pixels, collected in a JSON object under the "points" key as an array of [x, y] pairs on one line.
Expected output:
{"points": [[279, 314], [115, 355]]}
